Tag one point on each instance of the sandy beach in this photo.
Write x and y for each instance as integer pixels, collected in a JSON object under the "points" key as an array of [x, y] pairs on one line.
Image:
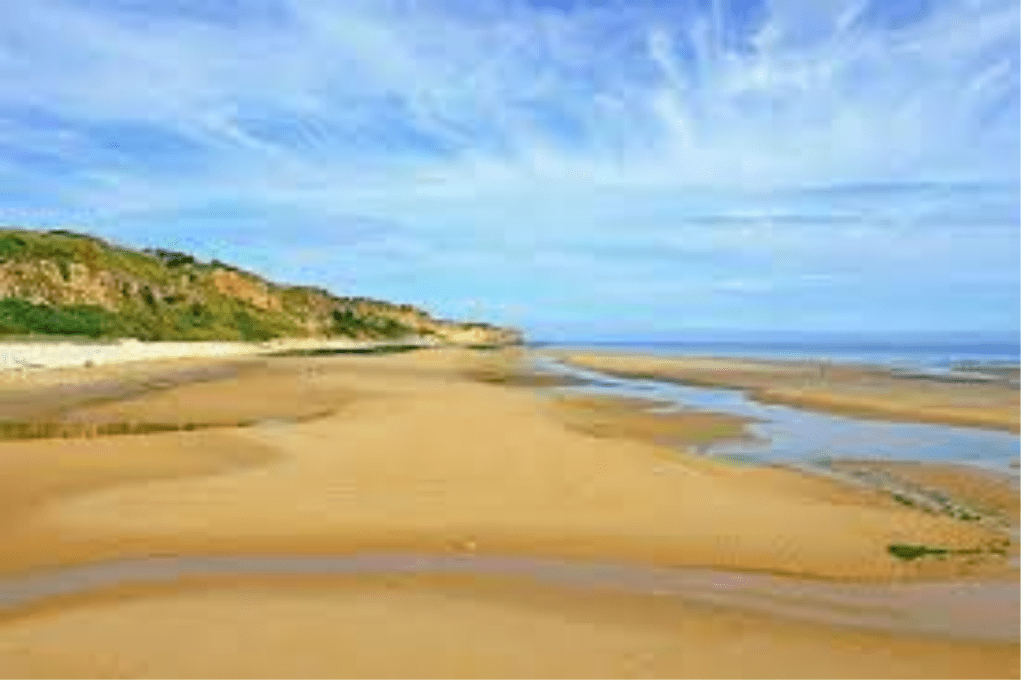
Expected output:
{"points": [[31, 356], [446, 452], [510, 339]]}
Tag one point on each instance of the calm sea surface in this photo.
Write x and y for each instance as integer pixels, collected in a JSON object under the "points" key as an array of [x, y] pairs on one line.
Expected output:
{"points": [[927, 354]]}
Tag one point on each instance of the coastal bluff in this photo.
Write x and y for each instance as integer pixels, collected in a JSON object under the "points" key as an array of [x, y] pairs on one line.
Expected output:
{"points": [[65, 284]]}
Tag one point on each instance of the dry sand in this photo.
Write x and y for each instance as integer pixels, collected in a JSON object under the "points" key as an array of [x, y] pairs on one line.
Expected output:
{"points": [[843, 389], [45, 354], [408, 454]]}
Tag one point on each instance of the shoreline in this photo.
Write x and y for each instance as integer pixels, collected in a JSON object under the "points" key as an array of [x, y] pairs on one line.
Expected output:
{"points": [[840, 389], [910, 481]]}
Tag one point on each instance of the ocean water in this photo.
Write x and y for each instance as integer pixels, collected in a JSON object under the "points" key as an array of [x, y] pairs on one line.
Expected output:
{"points": [[930, 354]]}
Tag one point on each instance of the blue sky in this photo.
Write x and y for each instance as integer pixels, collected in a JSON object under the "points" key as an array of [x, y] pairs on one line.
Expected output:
{"points": [[571, 167]]}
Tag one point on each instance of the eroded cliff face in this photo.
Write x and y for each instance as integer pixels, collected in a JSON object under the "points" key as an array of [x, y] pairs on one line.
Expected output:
{"points": [[47, 282], [253, 291], [163, 294]]}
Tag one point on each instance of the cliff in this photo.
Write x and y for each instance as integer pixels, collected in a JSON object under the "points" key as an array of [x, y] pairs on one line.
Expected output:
{"points": [[64, 283]]}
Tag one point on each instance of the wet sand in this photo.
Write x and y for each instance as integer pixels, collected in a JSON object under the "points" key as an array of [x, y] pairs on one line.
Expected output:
{"points": [[967, 489], [842, 389], [972, 611], [632, 418], [428, 616], [410, 453], [457, 627]]}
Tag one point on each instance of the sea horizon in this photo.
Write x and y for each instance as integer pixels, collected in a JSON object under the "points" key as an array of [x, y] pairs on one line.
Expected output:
{"points": [[938, 351]]}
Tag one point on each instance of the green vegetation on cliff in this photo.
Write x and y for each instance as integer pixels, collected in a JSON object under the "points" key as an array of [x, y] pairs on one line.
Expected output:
{"points": [[65, 283], [21, 317]]}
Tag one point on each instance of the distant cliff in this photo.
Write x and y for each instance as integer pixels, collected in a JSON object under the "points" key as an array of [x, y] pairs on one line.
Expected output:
{"points": [[64, 283]]}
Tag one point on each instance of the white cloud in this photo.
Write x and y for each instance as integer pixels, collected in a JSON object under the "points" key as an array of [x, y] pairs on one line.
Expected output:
{"points": [[822, 97], [479, 138]]}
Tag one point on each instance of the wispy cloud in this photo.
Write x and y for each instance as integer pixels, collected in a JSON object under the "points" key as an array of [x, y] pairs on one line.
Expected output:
{"points": [[468, 132]]}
